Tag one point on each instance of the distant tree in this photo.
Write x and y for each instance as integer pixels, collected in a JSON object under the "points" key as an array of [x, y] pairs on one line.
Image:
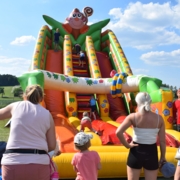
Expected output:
{"points": [[2, 91], [17, 91], [171, 87], [175, 88], [8, 80], [164, 85]]}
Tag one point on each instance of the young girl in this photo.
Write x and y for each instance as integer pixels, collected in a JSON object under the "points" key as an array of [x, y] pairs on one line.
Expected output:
{"points": [[92, 103], [81, 58], [85, 163], [86, 122]]}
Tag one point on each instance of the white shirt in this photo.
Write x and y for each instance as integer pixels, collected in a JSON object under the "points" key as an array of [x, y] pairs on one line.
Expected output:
{"points": [[29, 124]]}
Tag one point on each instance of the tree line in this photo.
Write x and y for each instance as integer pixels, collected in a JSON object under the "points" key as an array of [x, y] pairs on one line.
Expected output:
{"points": [[8, 80], [173, 88]]}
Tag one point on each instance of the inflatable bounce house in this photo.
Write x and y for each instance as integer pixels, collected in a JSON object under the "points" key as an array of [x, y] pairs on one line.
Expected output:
{"points": [[68, 88]]}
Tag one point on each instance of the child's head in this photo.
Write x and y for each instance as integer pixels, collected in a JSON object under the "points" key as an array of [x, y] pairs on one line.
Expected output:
{"points": [[82, 141], [57, 30], [92, 96], [85, 114]]}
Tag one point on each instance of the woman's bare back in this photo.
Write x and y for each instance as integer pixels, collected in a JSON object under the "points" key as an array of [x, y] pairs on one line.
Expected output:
{"points": [[148, 120]]}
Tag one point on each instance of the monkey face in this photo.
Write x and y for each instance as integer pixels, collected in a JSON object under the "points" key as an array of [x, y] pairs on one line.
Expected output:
{"points": [[76, 20]]}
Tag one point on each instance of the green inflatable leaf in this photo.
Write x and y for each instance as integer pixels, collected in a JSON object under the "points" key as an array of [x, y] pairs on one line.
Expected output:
{"points": [[81, 39], [92, 28], [56, 24]]}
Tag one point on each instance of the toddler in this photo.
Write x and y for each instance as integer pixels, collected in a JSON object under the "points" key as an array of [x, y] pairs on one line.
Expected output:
{"points": [[86, 163], [86, 122]]}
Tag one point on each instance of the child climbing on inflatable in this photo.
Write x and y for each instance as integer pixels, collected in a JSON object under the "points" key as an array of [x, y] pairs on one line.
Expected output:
{"points": [[81, 58], [86, 163], [77, 48], [56, 39], [92, 103], [86, 122]]}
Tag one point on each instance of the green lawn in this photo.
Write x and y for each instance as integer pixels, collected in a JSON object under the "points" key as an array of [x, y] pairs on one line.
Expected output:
{"points": [[7, 98], [4, 132]]}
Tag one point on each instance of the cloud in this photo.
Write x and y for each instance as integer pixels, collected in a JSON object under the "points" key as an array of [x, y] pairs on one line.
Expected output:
{"points": [[144, 26], [162, 58], [14, 66], [140, 71], [116, 12], [23, 40]]}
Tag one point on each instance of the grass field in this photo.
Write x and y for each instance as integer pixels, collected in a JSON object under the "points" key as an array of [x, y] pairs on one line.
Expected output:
{"points": [[7, 98], [4, 132]]}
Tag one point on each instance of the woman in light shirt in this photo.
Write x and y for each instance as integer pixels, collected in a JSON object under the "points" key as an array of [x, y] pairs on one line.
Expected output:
{"points": [[32, 136], [143, 149]]}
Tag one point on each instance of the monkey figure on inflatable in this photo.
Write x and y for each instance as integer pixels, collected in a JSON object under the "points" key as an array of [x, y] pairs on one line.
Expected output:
{"points": [[76, 22]]}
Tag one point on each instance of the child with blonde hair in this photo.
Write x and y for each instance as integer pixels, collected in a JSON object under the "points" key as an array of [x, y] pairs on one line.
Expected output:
{"points": [[86, 163]]}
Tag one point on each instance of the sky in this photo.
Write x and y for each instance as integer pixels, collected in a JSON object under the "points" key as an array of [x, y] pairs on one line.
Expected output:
{"points": [[148, 31]]}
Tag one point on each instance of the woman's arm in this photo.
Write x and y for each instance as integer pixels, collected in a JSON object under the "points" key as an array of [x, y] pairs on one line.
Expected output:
{"points": [[50, 136], [162, 140], [5, 113], [122, 128]]}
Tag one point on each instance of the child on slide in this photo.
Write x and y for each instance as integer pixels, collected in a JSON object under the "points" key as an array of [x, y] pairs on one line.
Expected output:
{"points": [[86, 122]]}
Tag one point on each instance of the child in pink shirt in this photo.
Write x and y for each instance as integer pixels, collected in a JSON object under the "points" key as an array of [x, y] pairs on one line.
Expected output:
{"points": [[86, 163], [86, 122]]}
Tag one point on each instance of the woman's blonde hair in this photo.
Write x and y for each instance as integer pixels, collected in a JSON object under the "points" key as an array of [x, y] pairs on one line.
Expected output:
{"points": [[34, 94], [143, 101]]}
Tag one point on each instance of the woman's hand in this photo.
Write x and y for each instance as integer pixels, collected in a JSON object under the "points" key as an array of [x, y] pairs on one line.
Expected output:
{"points": [[131, 145], [161, 162]]}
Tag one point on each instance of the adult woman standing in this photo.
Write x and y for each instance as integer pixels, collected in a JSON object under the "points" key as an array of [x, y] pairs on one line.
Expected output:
{"points": [[32, 135], [143, 150]]}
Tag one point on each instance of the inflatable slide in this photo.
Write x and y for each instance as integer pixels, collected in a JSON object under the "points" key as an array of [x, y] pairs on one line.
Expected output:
{"points": [[68, 88]]}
